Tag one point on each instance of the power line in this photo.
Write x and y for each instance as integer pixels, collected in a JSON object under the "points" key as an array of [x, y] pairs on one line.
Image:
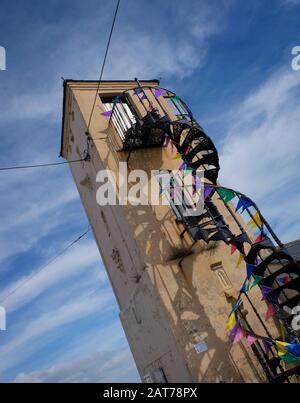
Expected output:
{"points": [[66, 162], [92, 111], [39, 165], [103, 64], [62, 252]]}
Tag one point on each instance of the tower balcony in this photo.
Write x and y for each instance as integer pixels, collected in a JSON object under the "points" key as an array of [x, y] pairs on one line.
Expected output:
{"points": [[141, 116]]}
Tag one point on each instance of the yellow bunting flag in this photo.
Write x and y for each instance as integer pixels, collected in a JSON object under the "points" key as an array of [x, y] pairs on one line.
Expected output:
{"points": [[231, 322], [241, 258], [177, 157], [255, 221], [281, 345]]}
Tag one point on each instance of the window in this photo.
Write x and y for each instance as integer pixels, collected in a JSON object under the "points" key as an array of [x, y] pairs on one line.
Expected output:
{"points": [[122, 118], [222, 276]]}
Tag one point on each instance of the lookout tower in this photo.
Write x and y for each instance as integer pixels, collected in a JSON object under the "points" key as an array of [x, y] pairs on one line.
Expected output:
{"points": [[189, 288]]}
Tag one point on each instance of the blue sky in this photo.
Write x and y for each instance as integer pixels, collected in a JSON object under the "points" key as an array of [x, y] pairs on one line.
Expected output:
{"points": [[230, 60]]}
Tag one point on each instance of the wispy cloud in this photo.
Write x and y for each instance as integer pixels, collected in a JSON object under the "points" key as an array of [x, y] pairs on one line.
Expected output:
{"points": [[262, 147], [78, 260], [95, 368], [31, 339]]}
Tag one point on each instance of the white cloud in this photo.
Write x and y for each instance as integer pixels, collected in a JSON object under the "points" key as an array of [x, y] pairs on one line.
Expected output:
{"points": [[98, 367], [261, 150], [78, 260], [36, 333]]}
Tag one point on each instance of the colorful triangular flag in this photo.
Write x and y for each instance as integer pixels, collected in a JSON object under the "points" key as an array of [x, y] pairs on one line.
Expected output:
{"points": [[293, 349], [234, 330], [267, 345], [240, 335], [259, 238], [270, 312], [251, 340], [159, 92], [177, 157], [250, 270], [233, 249], [107, 114], [257, 280], [243, 203], [175, 99], [231, 322], [241, 258], [289, 358], [183, 166], [208, 190], [226, 194], [265, 291], [255, 221]]}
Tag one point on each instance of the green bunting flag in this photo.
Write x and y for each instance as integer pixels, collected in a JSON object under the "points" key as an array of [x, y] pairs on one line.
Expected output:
{"points": [[175, 99], [257, 280], [226, 194], [289, 358]]}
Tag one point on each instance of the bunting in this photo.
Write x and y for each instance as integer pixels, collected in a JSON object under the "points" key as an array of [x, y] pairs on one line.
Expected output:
{"points": [[240, 335], [250, 270], [241, 258], [107, 114], [270, 312], [259, 238], [251, 340], [175, 99], [183, 167], [265, 291], [267, 345], [243, 203], [208, 190], [233, 249], [137, 91], [255, 221], [177, 157], [167, 141], [226, 194], [159, 92], [236, 307], [234, 330]]}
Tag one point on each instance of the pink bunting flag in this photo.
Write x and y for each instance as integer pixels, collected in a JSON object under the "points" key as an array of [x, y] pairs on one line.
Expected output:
{"points": [[233, 249], [167, 142], [270, 312], [240, 335], [251, 340], [188, 149], [107, 114]]}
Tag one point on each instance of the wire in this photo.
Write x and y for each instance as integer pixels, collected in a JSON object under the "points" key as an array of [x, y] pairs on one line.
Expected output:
{"points": [[39, 165], [103, 64], [62, 252]]}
